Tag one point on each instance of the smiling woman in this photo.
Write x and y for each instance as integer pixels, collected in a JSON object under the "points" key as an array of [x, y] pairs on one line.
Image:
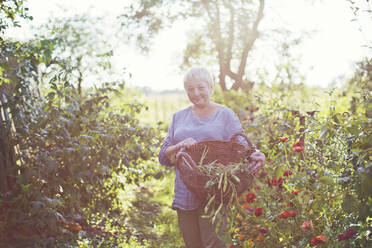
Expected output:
{"points": [[203, 120]]}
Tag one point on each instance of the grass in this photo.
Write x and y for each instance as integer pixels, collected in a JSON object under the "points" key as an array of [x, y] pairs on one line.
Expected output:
{"points": [[148, 207], [161, 107]]}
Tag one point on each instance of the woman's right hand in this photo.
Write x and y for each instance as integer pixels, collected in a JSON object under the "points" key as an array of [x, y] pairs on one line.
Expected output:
{"points": [[187, 143], [171, 151]]}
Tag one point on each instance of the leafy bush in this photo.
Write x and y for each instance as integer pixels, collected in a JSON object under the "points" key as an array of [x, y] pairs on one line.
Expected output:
{"points": [[74, 155], [316, 186]]}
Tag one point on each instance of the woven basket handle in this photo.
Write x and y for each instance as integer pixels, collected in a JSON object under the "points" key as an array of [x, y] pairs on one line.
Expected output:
{"points": [[181, 154], [233, 138]]}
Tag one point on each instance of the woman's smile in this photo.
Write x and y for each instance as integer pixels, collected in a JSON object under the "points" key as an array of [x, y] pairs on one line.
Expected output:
{"points": [[198, 92]]}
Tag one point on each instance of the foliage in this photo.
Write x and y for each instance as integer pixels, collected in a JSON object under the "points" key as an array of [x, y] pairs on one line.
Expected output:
{"points": [[18, 72], [362, 13], [68, 155], [235, 100], [150, 219], [10, 12], [316, 185], [80, 131], [74, 155], [80, 47], [228, 33], [161, 106], [82, 170]]}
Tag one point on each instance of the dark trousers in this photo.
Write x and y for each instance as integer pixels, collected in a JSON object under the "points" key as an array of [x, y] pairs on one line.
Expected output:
{"points": [[198, 232]]}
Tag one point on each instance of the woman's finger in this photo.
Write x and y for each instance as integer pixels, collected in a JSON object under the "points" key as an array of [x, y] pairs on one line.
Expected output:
{"points": [[258, 156]]}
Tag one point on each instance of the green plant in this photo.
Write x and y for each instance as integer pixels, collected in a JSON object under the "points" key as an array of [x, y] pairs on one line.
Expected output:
{"points": [[74, 156]]}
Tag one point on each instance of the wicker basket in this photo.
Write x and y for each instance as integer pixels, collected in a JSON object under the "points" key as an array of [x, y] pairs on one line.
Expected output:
{"points": [[224, 152]]}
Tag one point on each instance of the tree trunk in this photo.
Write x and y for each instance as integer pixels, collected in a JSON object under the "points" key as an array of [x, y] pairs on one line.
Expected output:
{"points": [[7, 155]]}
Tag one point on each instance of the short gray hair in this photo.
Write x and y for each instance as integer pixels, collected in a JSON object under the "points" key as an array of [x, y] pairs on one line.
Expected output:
{"points": [[198, 74]]}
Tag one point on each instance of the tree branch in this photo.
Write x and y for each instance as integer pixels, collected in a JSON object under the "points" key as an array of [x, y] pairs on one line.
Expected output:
{"points": [[250, 41], [231, 36], [218, 41]]}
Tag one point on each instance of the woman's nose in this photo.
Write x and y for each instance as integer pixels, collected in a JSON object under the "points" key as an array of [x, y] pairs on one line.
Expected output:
{"points": [[196, 92]]}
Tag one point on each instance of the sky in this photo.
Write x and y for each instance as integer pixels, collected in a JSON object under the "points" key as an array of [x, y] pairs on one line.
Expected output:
{"points": [[329, 53]]}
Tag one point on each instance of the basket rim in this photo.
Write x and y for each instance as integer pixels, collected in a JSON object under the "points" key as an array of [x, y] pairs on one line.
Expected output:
{"points": [[232, 141]]}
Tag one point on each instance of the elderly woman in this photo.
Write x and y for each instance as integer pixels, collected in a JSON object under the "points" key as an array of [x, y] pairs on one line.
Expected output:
{"points": [[203, 120]]}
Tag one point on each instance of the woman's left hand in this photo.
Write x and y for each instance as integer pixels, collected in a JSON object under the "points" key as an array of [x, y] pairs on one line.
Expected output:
{"points": [[258, 160]]}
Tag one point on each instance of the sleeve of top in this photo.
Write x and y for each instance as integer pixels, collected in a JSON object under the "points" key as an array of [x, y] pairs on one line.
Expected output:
{"points": [[234, 126], [168, 141]]}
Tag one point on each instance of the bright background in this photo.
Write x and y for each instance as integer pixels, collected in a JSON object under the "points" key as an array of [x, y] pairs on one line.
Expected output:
{"points": [[330, 52]]}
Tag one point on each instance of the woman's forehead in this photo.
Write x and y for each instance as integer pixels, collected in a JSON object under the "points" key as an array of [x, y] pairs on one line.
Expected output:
{"points": [[195, 83]]}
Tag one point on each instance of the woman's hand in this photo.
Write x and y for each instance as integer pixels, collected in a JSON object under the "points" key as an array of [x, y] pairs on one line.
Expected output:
{"points": [[187, 143], [172, 151], [258, 160]]}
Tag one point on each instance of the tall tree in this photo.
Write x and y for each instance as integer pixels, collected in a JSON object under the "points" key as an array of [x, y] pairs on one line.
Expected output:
{"points": [[229, 29]]}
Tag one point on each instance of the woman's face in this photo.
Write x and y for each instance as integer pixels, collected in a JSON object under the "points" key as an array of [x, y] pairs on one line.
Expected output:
{"points": [[198, 92]]}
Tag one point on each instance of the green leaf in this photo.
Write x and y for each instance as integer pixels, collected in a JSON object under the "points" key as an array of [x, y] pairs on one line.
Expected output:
{"points": [[366, 184], [349, 203], [279, 171], [326, 180], [323, 132]]}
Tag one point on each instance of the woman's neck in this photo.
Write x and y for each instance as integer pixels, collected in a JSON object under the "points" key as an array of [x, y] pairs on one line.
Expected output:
{"points": [[204, 107], [205, 110]]}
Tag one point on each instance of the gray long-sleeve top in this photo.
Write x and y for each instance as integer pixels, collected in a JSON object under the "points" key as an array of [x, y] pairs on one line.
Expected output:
{"points": [[220, 126]]}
